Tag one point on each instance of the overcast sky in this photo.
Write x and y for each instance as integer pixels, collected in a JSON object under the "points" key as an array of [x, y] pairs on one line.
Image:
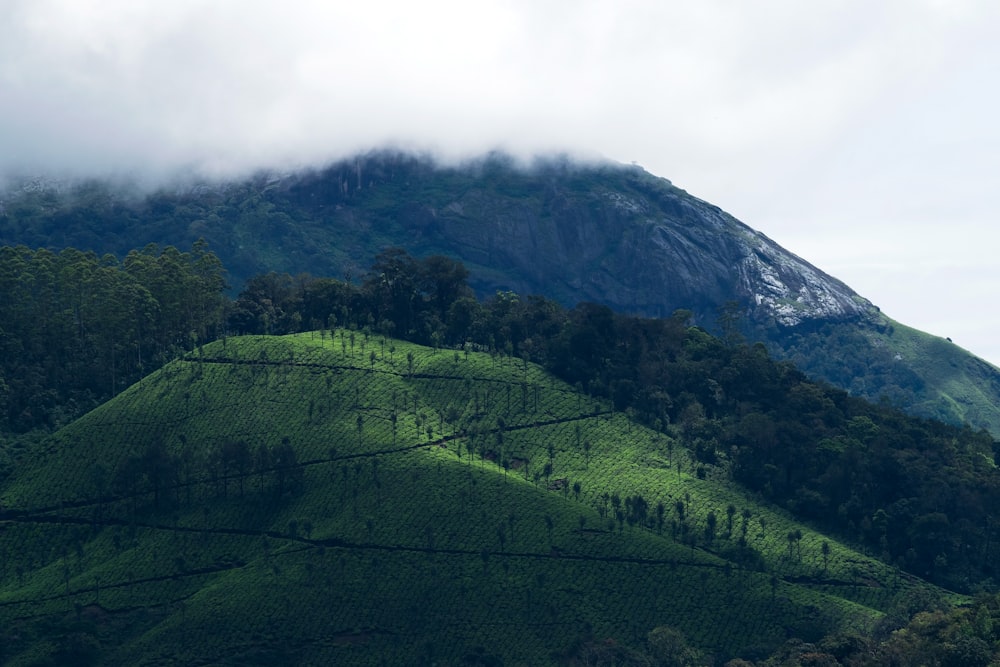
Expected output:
{"points": [[860, 134]]}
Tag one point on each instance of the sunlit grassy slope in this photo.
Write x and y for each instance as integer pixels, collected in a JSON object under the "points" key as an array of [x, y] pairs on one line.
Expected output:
{"points": [[439, 505], [957, 382]]}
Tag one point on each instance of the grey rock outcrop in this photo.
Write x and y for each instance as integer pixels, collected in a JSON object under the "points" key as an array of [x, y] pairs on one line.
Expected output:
{"points": [[635, 243]]}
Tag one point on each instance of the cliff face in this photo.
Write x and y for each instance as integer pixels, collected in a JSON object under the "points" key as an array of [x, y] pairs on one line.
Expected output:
{"points": [[619, 236], [616, 235], [606, 233]]}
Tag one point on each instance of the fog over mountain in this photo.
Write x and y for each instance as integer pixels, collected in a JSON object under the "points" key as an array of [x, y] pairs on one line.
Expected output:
{"points": [[862, 137]]}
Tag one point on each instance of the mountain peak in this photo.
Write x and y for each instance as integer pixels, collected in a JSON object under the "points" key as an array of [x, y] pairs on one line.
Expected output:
{"points": [[571, 230]]}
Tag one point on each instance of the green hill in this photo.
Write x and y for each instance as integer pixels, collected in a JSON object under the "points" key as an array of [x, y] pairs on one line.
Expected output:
{"points": [[926, 375], [337, 498], [575, 232]]}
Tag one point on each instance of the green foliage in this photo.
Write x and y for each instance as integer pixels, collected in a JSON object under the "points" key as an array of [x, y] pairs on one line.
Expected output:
{"points": [[509, 225], [78, 328], [883, 360], [233, 493], [917, 493], [617, 475]]}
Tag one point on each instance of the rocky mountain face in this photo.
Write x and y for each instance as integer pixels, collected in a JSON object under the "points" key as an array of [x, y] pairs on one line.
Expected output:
{"points": [[606, 233], [645, 248], [610, 234]]}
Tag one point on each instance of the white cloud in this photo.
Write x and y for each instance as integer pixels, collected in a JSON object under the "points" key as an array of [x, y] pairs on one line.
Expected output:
{"points": [[808, 121]]}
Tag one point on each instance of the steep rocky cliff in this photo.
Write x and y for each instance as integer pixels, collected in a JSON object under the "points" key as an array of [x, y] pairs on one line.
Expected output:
{"points": [[607, 233], [640, 245]]}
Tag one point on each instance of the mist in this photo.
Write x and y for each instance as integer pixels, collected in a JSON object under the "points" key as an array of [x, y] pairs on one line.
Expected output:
{"points": [[219, 89], [861, 136]]}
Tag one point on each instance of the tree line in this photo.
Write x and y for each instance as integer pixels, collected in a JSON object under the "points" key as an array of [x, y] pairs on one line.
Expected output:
{"points": [[76, 328], [915, 492]]}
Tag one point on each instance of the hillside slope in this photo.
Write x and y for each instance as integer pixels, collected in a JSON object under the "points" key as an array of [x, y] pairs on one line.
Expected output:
{"points": [[606, 233], [330, 498]]}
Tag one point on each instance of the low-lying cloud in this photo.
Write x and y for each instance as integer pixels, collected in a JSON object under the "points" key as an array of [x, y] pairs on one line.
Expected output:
{"points": [[829, 117], [219, 86]]}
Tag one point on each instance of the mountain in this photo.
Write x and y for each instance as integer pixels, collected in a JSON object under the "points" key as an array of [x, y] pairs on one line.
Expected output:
{"points": [[338, 498], [606, 233]]}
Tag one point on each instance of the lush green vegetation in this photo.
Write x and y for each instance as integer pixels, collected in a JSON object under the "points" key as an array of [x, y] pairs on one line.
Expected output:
{"points": [[926, 375], [552, 485], [81, 328], [334, 221], [916, 492], [339, 497], [76, 328]]}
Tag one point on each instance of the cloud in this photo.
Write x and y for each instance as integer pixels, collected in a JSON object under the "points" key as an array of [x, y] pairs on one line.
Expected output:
{"points": [[218, 85], [803, 119], [221, 84]]}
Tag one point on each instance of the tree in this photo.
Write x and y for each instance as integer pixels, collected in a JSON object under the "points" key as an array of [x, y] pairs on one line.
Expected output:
{"points": [[237, 456], [262, 462], [470, 445], [669, 648], [730, 514], [797, 538], [711, 522], [443, 282], [730, 315], [637, 510], [157, 466], [288, 473], [392, 288], [746, 515]]}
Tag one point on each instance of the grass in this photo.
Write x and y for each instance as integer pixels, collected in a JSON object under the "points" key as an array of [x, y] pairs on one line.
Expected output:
{"points": [[406, 539], [960, 387]]}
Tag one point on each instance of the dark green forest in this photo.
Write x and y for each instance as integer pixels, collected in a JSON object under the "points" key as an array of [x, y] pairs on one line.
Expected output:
{"points": [[76, 328], [557, 228], [918, 494], [811, 481]]}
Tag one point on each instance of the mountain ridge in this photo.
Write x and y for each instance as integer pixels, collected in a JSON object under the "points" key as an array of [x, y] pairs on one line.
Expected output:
{"points": [[216, 528], [661, 229], [601, 232]]}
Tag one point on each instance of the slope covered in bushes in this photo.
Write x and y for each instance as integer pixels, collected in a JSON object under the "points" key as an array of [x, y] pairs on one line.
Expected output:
{"points": [[342, 497]]}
